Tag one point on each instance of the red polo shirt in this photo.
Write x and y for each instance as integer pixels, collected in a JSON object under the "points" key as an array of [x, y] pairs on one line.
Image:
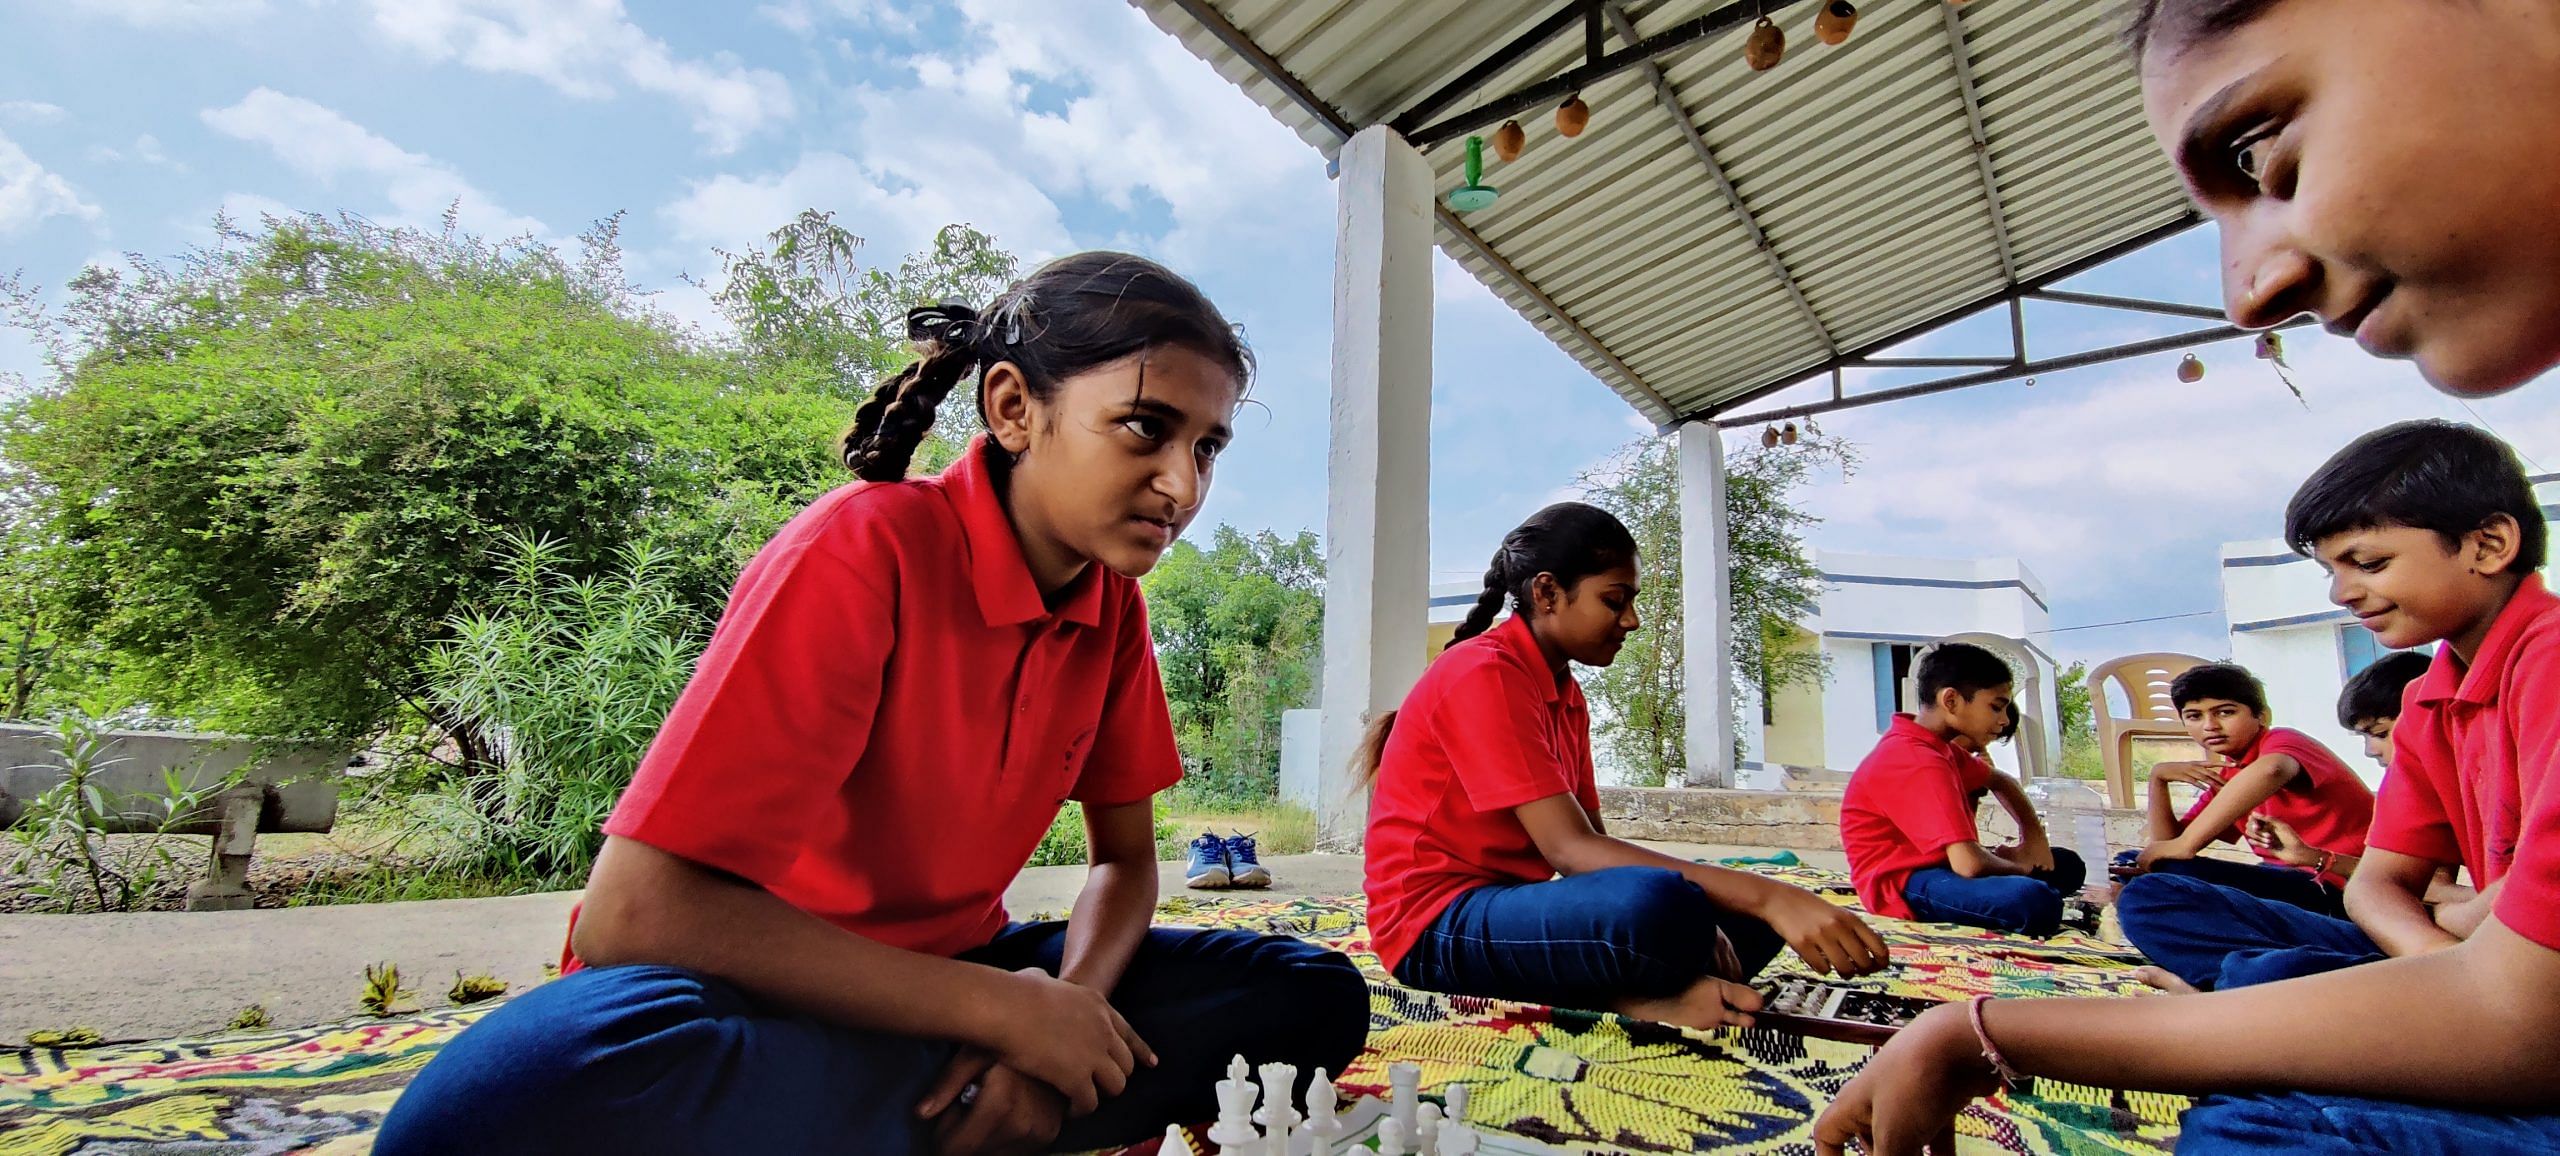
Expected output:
{"points": [[2469, 760], [2327, 804], [1907, 802], [888, 717], [1487, 729]]}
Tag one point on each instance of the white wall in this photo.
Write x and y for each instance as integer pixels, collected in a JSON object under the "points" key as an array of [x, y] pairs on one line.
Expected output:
{"points": [[1872, 599]]}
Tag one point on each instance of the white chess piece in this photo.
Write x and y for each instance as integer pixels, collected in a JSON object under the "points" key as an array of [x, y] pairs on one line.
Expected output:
{"points": [[1323, 1121], [1238, 1070], [1278, 1080], [1458, 1140], [1391, 1135], [1456, 1094], [1426, 1139], [1405, 1080], [1175, 1143], [1234, 1131]]}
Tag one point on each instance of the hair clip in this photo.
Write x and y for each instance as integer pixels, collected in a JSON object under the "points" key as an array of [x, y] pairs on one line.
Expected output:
{"points": [[950, 323]]}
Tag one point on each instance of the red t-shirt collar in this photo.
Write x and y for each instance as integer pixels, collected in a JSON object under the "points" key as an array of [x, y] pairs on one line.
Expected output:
{"points": [[1514, 637], [1909, 724], [1007, 594], [2448, 679]]}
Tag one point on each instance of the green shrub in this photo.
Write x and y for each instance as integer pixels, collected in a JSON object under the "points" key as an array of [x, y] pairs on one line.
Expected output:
{"points": [[62, 839], [1065, 845]]}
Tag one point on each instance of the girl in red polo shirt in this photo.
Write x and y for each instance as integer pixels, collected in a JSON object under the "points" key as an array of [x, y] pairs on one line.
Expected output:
{"points": [[795, 938], [1485, 794]]}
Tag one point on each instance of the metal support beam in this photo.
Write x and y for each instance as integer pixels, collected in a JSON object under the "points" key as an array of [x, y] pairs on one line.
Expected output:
{"points": [[2134, 304], [1243, 45], [1504, 57], [1475, 244], [1669, 98], [2006, 373], [1550, 91], [1929, 362], [1980, 140]]}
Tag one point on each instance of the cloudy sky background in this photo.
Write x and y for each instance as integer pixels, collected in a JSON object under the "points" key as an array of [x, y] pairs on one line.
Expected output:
{"points": [[1065, 124]]}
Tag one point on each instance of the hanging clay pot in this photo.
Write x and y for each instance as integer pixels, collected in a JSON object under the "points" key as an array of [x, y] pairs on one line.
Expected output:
{"points": [[1788, 435], [1509, 140], [1766, 46], [1573, 116], [1769, 438], [1835, 21], [2191, 370]]}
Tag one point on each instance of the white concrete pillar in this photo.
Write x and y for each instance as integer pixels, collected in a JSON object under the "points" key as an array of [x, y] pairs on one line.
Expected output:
{"points": [[1706, 606], [1378, 479]]}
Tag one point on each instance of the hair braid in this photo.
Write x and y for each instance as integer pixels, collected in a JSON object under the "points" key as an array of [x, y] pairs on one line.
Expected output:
{"points": [[1497, 588], [887, 428]]}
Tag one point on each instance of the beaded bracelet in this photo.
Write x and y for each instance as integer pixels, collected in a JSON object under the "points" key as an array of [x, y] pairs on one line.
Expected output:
{"points": [[2009, 1076]]}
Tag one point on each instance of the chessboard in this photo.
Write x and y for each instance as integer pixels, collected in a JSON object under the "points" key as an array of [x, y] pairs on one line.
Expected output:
{"points": [[1833, 1011]]}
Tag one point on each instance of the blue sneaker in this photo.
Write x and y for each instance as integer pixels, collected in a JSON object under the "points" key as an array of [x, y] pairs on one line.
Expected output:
{"points": [[1243, 868], [1208, 870]]}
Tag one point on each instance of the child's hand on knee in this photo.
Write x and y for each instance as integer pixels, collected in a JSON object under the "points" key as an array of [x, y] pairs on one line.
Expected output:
{"points": [[1068, 1037]]}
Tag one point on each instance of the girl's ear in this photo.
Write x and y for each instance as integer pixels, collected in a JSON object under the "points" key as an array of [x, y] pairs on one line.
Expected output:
{"points": [[2493, 547], [1006, 397], [1545, 593]]}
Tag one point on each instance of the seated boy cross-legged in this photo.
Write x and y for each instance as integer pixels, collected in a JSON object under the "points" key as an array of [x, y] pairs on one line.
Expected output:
{"points": [[2258, 775], [1907, 818]]}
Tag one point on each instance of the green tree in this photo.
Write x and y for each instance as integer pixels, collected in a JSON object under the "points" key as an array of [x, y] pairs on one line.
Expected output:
{"points": [[277, 466], [1774, 584], [1238, 628]]}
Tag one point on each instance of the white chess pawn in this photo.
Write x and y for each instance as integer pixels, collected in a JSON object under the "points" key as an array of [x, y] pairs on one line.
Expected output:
{"points": [[1175, 1143], [1426, 1138], [1391, 1135], [1456, 1094], [1406, 1082]]}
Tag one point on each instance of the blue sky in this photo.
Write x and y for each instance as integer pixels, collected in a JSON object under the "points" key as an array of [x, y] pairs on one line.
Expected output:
{"points": [[1066, 124]]}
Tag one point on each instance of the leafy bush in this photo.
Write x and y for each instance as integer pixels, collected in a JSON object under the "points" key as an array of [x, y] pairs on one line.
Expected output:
{"points": [[570, 677], [1238, 629], [82, 846], [1066, 843]]}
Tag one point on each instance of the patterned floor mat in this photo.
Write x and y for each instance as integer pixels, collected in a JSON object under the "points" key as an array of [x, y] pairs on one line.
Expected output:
{"points": [[1587, 1082]]}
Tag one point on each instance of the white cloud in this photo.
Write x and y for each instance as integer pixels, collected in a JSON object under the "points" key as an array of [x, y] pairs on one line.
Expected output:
{"points": [[145, 150], [585, 48], [320, 143], [896, 202], [803, 16], [30, 112], [173, 13], [31, 193]]}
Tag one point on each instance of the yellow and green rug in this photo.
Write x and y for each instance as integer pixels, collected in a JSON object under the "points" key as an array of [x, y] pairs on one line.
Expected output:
{"points": [[1578, 1080]]}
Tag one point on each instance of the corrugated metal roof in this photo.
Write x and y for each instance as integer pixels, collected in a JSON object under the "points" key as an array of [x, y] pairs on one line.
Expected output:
{"points": [[1856, 164]]}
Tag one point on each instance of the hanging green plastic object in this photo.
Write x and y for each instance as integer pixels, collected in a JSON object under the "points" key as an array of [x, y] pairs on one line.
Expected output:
{"points": [[1475, 194]]}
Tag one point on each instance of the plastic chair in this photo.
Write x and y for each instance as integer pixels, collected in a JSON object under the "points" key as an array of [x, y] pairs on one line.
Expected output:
{"points": [[2036, 755], [2144, 681]]}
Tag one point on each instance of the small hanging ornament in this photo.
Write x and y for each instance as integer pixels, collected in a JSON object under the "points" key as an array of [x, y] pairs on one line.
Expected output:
{"points": [[1769, 438], [1837, 18], [2190, 370], [2271, 350], [1573, 116], [1766, 46], [1788, 435], [1475, 194], [1509, 140]]}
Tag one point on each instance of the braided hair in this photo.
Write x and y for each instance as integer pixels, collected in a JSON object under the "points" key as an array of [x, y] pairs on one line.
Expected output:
{"points": [[1069, 316], [1569, 540]]}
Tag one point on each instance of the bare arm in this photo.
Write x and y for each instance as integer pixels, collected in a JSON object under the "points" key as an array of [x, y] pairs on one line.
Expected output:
{"points": [[2160, 811], [2462, 917], [2013, 799], [1974, 861], [2387, 899], [1829, 938], [2477, 1024], [644, 905], [2241, 794], [1119, 896]]}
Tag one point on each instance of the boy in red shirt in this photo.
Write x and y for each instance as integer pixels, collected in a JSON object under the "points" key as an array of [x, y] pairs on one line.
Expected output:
{"points": [[1907, 818], [2256, 773]]}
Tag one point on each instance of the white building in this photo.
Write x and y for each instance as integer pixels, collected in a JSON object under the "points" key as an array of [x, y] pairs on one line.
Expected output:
{"points": [[2302, 646]]}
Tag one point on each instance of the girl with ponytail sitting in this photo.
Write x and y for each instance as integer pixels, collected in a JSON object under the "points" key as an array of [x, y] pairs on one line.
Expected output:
{"points": [[1484, 795], [795, 938]]}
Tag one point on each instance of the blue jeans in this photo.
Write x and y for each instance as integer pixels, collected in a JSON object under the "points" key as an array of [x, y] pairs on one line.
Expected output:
{"points": [[649, 1060], [2264, 880], [2216, 937], [1583, 941], [2301, 1122], [2031, 904]]}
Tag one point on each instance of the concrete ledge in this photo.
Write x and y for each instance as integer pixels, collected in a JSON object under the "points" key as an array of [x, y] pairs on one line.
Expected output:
{"points": [[1792, 818]]}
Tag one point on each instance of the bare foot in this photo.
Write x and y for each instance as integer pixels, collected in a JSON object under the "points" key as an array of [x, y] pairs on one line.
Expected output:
{"points": [[2161, 979], [1708, 1004]]}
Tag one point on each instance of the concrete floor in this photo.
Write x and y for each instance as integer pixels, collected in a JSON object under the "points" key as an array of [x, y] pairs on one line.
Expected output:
{"points": [[160, 974]]}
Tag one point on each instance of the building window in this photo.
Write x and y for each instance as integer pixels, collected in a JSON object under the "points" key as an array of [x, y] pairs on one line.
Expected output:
{"points": [[1893, 664], [2358, 649]]}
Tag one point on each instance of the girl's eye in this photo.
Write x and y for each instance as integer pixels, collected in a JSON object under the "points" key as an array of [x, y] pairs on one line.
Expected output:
{"points": [[1209, 451], [2371, 565], [2249, 155], [1144, 426]]}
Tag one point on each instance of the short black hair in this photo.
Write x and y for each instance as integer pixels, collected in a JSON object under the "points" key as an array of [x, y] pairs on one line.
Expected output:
{"points": [[2426, 475], [2228, 681], [2179, 23], [1968, 668], [2374, 693]]}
